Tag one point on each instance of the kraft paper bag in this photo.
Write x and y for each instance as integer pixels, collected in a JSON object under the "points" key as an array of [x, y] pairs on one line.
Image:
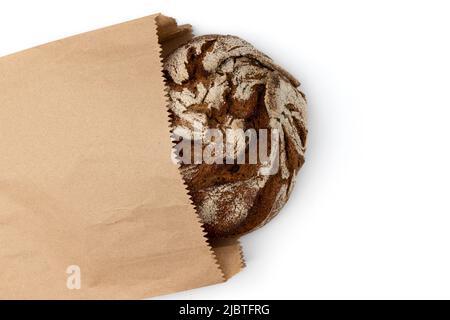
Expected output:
{"points": [[91, 204]]}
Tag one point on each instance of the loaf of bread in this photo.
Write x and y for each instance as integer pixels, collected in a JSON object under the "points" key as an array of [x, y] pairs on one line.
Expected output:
{"points": [[223, 82]]}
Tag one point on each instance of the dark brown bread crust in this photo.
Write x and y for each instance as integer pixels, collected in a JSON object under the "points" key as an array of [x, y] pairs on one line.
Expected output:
{"points": [[223, 82]]}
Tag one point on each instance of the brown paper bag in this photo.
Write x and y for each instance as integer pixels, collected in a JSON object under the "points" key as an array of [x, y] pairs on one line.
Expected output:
{"points": [[91, 204]]}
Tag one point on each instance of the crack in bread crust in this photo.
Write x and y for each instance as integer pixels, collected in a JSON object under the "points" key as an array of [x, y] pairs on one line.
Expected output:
{"points": [[223, 82]]}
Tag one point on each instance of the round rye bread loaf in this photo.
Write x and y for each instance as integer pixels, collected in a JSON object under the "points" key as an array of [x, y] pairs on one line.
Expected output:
{"points": [[224, 83]]}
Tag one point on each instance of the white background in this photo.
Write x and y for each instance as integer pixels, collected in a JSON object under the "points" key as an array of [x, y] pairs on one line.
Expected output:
{"points": [[370, 216]]}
